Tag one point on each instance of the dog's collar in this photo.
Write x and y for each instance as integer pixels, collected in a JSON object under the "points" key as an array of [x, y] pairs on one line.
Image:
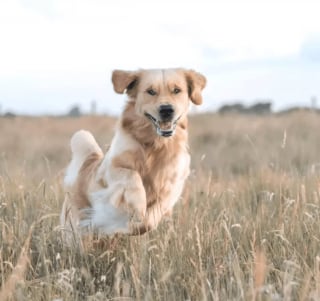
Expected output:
{"points": [[163, 132]]}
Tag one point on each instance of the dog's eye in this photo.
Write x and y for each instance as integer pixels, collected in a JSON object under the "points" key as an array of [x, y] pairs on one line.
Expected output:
{"points": [[151, 92], [176, 91]]}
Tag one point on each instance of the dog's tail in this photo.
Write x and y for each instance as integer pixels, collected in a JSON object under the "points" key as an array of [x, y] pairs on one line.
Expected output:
{"points": [[82, 144]]}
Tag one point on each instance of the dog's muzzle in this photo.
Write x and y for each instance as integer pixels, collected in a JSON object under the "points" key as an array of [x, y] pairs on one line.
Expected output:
{"points": [[164, 128]]}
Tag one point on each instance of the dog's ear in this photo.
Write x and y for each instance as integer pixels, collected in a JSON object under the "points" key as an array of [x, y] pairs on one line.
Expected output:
{"points": [[124, 81], [196, 82]]}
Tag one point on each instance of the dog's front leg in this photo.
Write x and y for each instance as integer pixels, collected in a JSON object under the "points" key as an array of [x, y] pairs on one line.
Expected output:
{"points": [[124, 173], [152, 218], [166, 199], [134, 195]]}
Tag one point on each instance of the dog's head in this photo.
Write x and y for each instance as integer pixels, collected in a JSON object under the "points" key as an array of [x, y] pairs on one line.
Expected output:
{"points": [[162, 96]]}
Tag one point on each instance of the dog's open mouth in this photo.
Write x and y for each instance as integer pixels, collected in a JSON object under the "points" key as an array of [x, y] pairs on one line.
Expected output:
{"points": [[163, 128]]}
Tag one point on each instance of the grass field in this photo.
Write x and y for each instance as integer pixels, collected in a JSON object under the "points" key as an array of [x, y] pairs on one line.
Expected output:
{"points": [[250, 230]]}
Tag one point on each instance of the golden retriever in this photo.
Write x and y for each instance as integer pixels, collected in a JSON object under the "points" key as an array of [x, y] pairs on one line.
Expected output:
{"points": [[142, 175]]}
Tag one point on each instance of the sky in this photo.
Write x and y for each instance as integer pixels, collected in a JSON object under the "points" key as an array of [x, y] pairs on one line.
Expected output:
{"points": [[55, 54]]}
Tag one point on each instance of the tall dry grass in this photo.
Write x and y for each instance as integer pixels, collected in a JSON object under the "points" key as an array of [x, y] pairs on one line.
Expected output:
{"points": [[250, 230]]}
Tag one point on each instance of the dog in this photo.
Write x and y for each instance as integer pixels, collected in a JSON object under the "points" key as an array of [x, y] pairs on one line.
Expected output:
{"points": [[142, 175]]}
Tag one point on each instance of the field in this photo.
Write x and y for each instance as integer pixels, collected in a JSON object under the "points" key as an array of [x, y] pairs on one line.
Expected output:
{"points": [[250, 229]]}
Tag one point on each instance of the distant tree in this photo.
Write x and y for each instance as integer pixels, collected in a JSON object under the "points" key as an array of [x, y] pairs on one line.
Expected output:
{"points": [[295, 109], [260, 108], [9, 115], [93, 107], [234, 108], [74, 111], [314, 102]]}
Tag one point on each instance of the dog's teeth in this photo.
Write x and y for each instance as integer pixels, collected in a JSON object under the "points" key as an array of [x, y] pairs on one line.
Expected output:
{"points": [[166, 126]]}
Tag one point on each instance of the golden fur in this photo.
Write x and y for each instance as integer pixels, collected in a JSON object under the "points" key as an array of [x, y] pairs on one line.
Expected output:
{"points": [[142, 175]]}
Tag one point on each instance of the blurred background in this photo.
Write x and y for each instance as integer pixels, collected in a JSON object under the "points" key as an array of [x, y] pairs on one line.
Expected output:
{"points": [[56, 56]]}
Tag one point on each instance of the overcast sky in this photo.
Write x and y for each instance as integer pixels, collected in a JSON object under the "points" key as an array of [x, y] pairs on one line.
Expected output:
{"points": [[57, 53]]}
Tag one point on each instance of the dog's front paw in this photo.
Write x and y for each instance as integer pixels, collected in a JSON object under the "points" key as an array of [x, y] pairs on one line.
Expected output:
{"points": [[136, 202]]}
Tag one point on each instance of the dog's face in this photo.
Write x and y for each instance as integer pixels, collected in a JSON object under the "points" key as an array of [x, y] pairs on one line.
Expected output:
{"points": [[162, 96]]}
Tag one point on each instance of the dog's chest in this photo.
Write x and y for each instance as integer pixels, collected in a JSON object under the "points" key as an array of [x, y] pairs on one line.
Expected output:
{"points": [[164, 172]]}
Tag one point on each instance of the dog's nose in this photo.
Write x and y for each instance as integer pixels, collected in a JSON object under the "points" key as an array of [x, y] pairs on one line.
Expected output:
{"points": [[166, 112]]}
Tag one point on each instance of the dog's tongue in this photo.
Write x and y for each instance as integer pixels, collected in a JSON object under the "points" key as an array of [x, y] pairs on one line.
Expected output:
{"points": [[165, 125]]}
